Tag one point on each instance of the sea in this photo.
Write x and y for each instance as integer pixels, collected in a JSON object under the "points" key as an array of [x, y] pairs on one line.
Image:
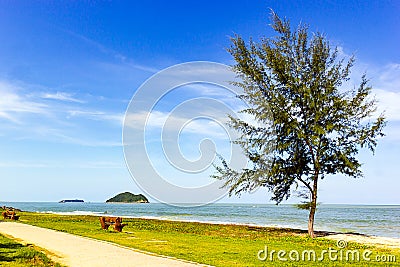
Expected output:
{"points": [[375, 220]]}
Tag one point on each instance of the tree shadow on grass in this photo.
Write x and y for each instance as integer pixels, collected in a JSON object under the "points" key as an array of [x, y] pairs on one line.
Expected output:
{"points": [[327, 233], [298, 231], [4, 258], [8, 249], [10, 246]]}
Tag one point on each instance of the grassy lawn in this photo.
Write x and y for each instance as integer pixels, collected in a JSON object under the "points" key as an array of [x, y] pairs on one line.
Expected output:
{"points": [[219, 245], [13, 254]]}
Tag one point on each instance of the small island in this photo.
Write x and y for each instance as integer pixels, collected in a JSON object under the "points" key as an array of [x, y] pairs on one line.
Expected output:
{"points": [[71, 201], [128, 197]]}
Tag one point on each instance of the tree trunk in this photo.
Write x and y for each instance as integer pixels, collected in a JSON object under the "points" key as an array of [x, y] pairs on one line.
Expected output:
{"points": [[313, 208], [311, 220]]}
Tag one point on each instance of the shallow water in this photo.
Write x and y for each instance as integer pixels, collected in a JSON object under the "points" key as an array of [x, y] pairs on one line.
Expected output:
{"points": [[378, 220]]}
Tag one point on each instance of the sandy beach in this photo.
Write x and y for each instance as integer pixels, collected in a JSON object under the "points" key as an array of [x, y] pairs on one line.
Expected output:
{"points": [[76, 251], [384, 242]]}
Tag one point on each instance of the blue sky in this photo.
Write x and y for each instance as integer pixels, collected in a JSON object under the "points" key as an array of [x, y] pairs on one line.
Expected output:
{"points": [[68, 70]]}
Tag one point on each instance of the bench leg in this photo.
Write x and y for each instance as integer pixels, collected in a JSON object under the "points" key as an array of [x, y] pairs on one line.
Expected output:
{"points": [[118, 227], [103, 223]]}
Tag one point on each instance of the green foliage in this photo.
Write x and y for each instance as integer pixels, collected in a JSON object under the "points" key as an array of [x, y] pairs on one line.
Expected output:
{"points": [[305, 205], [128, 197], [308, 124]]}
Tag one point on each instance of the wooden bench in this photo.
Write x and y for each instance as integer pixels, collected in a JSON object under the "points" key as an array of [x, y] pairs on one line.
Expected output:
{"points": [[10, 214], [106, 222]]}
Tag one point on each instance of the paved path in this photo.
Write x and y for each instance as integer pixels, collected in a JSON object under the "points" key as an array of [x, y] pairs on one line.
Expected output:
{"points": [[76, 251]]}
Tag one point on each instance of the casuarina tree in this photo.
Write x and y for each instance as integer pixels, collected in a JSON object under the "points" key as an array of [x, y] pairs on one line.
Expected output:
{"points": [[305, 123]]}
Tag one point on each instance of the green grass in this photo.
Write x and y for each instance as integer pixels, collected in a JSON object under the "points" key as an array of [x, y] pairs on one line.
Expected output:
{"points": [[219, 245], [13, 254]]}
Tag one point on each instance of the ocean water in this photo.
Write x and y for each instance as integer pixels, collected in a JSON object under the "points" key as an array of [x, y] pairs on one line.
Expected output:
{"points": [[378, 220]]}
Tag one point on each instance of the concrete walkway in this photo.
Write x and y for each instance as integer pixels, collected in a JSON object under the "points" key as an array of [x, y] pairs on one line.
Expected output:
{"points": [[76, 251]]}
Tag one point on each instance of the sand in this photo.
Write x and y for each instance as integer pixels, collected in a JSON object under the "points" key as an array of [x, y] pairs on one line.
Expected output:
{"points": [[385, 242], [76, 251]]}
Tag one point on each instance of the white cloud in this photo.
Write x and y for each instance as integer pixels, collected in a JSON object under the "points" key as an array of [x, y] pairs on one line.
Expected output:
{"points": [[125, 68], [388, 77], [167, 122], [385, 81], [62, 96], [13, 104], [124, 62], [207, 128], [97, 115], [69, 138], [155, 119], [206, 89], [23, 165], [102, 165], [389, 103], [54, 164], [392, 131], [386, 84], [27, 114]]}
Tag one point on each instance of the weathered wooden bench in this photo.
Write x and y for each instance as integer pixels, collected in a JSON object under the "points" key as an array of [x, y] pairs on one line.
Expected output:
{"points": [[10, 214], [106, 222]]}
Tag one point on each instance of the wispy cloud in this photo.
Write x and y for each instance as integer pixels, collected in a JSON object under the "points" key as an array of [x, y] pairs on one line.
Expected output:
{"points": [[61, 96], [385, 81], [211, 127], [102, 165], [389, 77], [23, 165], [386, 84], [392, 131], [98, 115], [215, 91], [69, 137], [125, 62], [30, 115], [55, 164], [124, 67], [13, 103], [389, 103]]}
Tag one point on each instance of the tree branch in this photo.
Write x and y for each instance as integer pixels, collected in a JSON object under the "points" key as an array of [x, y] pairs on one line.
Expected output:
{"points": [[305, 183]]}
